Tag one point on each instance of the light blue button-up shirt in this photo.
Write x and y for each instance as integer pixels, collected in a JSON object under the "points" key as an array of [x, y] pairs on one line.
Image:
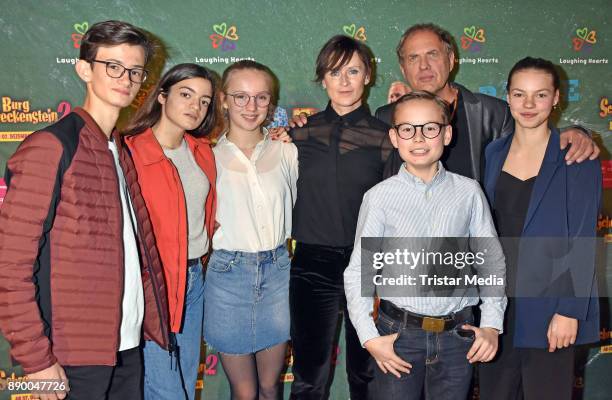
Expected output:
{"points": [[450, 205]]}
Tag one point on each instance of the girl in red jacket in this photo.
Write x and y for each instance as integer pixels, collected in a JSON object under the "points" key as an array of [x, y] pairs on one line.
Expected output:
{"points": [[176, 172]]}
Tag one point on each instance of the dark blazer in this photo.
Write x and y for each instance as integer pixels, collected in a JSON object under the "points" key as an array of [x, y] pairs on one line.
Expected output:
{"points": [[563, 209], [488, 118]]}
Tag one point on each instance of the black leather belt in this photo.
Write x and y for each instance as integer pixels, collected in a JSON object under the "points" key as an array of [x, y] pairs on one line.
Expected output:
{"points": [[430, 324], [193, 261]]}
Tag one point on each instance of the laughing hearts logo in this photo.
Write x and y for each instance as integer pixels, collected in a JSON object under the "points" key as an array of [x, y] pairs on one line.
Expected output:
{"points": [[224, 37], [473, 38], [354, 32], [76, 36], [584, 39]]}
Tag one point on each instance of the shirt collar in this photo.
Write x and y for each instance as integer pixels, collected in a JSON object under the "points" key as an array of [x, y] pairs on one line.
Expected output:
{"points": [[438, 178], [357, 114], [224, 140]]}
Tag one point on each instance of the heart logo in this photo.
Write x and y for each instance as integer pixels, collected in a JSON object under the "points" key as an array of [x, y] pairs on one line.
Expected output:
{"points": [[349, 29], [577, 43], [216, 40], [231, 33], [470, 32], [226, 45], [220, 29], [465, 42], [480, 37], [81, 28], [76, 40], [591, 37], [582, 33], [360, 35]]}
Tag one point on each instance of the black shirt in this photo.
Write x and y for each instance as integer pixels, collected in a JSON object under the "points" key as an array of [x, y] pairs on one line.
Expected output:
{"points": [[340, 158], [456, 157], [512, 197]]}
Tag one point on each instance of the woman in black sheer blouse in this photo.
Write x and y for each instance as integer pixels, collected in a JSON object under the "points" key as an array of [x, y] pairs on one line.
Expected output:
{"points": [[342, 152]]}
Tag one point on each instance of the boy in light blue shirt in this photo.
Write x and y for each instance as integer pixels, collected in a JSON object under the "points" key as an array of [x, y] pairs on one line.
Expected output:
{"points": [[426, 343]]}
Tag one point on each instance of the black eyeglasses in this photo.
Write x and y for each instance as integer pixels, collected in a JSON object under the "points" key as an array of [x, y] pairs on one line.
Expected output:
{"points": [[241, 99], [116, 70], [429, 130]]}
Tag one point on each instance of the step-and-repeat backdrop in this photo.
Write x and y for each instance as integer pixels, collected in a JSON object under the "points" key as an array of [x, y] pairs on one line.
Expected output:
{"points": [[40, 41]]}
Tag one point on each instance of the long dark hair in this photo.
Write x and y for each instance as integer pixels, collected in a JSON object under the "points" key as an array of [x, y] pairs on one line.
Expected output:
{"points": [[150, 112], [539, 64]]}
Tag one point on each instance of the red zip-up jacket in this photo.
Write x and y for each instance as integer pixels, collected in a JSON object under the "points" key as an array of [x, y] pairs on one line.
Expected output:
{"points": [[165, 199], [61, 249]]}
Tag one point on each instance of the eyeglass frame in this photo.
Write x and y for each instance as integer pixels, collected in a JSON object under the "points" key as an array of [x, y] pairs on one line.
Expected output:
{"points": [[145, 73], [440, 126], [249, 100]]}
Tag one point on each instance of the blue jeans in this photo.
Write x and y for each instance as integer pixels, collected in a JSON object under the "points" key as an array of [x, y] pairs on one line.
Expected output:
{"points": [[439, 364], [163, 378]]}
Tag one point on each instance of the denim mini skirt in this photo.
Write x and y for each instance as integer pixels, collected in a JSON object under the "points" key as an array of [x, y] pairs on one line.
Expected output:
{"points": [[247, 300]]}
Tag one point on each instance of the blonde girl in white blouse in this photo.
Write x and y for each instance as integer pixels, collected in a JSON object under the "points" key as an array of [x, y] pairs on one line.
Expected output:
{"points": [[246, 315]]}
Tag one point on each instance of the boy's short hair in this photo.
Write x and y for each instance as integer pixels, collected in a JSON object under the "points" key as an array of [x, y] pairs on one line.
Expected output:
{"points": [[424, 95], [113, 33]]}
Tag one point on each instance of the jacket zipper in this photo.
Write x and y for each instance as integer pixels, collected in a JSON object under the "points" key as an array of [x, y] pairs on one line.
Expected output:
{"points": [[155, 287], [122, 286]]}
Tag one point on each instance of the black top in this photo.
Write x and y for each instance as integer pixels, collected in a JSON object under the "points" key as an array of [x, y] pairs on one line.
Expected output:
{"points": [[512, 197], [340, 158], [456, 157]]}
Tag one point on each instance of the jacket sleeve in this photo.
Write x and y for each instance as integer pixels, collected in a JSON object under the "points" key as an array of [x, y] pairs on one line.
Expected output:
{"points": [[584, 195], [32, 174], [508, 122]]}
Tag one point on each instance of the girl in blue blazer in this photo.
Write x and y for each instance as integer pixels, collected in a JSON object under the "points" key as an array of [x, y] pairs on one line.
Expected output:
{"points": [[547, 211]]}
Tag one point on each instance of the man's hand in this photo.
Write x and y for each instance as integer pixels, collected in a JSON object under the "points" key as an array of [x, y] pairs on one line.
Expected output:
{"points": [[298, 120], [53, 373], [583, 146], [381, 348], [485, 344], [280, 133], [562, 332]]}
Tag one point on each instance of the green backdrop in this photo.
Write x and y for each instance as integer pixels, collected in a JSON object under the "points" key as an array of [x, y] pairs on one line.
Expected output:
{"points": [[39, 40]]}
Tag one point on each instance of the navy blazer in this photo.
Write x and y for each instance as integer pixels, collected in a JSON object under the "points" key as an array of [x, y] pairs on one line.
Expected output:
{"points": [[564, 205]]}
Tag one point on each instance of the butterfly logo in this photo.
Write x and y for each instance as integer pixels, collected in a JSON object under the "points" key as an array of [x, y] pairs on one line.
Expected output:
{"points": [[224, 37], [354, 32], [78, 35], [584, 39], [472, 38]]}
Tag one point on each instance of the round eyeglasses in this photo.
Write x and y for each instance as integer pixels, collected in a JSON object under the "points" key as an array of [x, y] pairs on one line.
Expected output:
{"points": [[241, 99], [429, 130], [116, 70]]}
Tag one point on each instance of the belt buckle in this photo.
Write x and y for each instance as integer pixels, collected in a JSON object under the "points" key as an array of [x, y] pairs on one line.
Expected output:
{"points": [[433, 324]]}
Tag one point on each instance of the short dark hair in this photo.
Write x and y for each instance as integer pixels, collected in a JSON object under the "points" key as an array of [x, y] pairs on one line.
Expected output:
{"points": [[150, 111], [424, 95], [337, 52], [442, 34], [113, 33], [539, 64]]}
